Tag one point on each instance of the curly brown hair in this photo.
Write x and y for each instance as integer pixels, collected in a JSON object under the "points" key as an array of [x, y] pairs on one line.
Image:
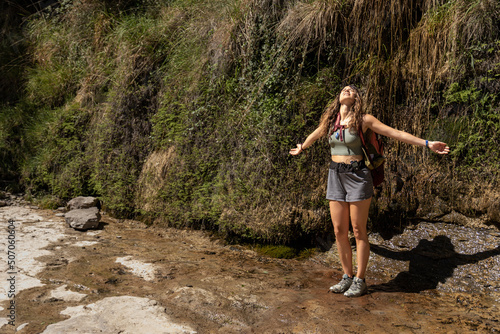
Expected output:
{"points": [[332, 109]]}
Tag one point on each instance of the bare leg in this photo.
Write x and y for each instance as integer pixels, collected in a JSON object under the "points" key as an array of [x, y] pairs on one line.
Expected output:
{"points": [[359, 217], [339, 212]]}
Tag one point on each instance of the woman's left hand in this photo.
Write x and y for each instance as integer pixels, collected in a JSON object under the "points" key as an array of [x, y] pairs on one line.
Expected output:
{"points": [[439, 147]]}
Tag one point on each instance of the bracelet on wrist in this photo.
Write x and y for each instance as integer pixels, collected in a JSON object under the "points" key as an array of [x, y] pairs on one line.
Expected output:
{"points": [[427, 143]]}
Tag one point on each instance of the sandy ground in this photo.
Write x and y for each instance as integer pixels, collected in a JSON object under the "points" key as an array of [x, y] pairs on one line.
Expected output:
{"points": [[127, 278]]}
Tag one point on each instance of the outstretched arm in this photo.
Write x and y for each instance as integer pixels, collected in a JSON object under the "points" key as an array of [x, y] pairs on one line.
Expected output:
{"points": [[473, 258], [308, 142], [370, 122]]}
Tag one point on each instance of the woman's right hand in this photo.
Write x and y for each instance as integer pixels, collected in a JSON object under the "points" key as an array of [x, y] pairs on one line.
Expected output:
{"points": [[295, 151], [309, 140]]}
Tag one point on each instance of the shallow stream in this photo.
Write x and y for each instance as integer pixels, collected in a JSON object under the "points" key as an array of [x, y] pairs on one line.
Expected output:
{"points": [[127, 278]]}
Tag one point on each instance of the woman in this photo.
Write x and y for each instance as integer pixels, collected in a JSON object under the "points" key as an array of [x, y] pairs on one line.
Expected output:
{"points": [[350, 185]]}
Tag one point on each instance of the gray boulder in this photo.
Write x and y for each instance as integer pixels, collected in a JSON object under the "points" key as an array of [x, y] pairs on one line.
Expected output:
{"points": [[82, 202], [83, 219]]}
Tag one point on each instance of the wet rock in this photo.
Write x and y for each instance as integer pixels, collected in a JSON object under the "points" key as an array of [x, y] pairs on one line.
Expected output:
{"points": [[18, 329], [83, 203], [460, 219], [124, 314], [62, 293], [494, 212], [455, 218], [144, 270], [83, 219], [434, 209]]}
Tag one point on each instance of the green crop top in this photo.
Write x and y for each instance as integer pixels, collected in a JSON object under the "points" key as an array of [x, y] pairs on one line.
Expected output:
{"points": [[349, 145]]}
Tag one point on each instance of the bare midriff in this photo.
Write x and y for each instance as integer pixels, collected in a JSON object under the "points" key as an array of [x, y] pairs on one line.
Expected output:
{"points": [[347, 159]]}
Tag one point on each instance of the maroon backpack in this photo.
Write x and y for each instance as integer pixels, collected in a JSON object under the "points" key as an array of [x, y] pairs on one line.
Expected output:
{"points": [[373, 150]]}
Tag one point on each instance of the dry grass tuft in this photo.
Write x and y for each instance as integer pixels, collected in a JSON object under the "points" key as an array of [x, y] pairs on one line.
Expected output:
{"points": [[318, 22], [152, 178]]}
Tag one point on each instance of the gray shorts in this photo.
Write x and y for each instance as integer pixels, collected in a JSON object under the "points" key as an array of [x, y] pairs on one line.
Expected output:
{"points": [[348, 184]]}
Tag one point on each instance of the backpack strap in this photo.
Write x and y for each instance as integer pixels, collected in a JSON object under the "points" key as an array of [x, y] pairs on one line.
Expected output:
{"points": [[337, 126], [365, 149], [361, 135]]}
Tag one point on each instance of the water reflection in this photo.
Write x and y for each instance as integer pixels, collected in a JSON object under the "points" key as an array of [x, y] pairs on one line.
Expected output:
{"points": [[431, 262]]}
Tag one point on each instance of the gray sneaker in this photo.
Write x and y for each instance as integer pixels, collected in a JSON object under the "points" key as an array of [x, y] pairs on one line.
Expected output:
{"points": [[357, 288], [343, 285]]}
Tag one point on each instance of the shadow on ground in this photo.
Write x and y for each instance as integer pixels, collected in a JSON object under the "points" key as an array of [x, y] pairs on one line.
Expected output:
{"points": [[431, 263]]}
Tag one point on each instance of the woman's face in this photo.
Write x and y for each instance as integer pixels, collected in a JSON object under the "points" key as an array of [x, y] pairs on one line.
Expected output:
{"points": [[348, 96]]}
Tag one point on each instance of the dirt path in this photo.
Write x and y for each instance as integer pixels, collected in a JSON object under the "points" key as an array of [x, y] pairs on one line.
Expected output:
{"points": [[126, 278]]}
